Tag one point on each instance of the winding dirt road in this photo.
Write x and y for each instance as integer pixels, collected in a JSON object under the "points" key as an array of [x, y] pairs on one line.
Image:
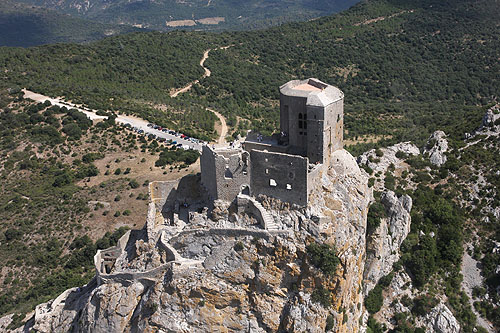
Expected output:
{"points": [[223, 133], [206, 74]]}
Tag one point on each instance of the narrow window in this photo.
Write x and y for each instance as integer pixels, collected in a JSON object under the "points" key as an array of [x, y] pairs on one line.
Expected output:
{"points": [[267, 171], [272, 183], [300, 120], [228, 174]]}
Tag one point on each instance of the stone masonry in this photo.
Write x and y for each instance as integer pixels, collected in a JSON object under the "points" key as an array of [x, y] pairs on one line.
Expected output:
{"points": [[287, 165]]}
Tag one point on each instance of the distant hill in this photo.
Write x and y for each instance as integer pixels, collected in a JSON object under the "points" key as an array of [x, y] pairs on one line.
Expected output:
{"points": [[196, 14], [27, 25]]}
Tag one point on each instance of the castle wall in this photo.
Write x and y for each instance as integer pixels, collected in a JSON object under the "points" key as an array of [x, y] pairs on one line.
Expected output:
{"points": [[314, 177], [278, 175], [250, 145], [207, 165], [224, 172], [334, 128]]}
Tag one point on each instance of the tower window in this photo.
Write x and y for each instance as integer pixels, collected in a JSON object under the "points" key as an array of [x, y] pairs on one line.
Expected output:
{"points": [[302, 122]]}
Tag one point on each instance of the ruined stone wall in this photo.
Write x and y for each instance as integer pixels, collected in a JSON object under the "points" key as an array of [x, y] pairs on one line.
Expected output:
{"points": [[314, 178], [224, 172], [280, 176], [250, 145], [207, 165]]}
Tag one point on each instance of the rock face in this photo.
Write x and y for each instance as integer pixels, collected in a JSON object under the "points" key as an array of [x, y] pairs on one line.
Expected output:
{"points": [[383, 244], [191, 273], [381, 159], [441, 320], [436, 147], [490, 120]]}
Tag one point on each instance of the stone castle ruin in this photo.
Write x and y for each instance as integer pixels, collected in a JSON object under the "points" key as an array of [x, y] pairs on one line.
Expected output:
{"points": [[225, 250], [287, 165]]}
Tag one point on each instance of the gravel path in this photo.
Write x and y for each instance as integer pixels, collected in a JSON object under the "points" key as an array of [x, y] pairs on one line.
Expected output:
{"points": [[122, 119], [473, 278]]}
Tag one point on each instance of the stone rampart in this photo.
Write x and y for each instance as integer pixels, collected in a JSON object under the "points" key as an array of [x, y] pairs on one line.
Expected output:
{"points": [[224, 172], [280, 176]]}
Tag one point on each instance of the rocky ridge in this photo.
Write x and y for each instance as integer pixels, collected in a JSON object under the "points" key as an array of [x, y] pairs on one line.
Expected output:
{"points": [[219, 270], [436, 148], [383, 244]]}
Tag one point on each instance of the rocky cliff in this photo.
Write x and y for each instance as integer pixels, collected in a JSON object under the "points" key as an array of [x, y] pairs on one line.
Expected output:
{"points": [[383, 244], [215, 268]]}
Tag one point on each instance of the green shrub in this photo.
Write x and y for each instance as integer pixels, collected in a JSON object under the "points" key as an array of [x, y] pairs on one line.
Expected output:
{"points": [[322, 296], [324, 257], [330, 321], [238, 246], [375, 213], [133, 183]]}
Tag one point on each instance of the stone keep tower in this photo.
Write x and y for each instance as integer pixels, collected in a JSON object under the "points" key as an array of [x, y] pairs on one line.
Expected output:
{"points": [[311, 118]]}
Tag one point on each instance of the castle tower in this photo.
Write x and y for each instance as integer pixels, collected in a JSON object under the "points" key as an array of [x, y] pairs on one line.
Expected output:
{"points": [[311, 118]]}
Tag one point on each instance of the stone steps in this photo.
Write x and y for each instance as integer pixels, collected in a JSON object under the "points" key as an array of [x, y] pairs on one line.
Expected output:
{"points": [[268, 219]]}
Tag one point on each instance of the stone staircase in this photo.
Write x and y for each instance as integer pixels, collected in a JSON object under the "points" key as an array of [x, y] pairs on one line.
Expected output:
{"points": [[266, 217], [249, 204]]}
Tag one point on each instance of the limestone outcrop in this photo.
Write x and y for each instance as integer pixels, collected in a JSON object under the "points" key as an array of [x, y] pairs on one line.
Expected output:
{"points": [[383, 244], [436, 148], [490, 120], [194, 270], [441, 320]]}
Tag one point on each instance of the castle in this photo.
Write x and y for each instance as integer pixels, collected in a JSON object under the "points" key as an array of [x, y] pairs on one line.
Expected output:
{"points": [[287, 165]]}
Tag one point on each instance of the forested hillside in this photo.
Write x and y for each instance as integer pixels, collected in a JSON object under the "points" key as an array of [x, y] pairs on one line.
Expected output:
{"points": [[25, 25], [402, 65], [196, 14]]}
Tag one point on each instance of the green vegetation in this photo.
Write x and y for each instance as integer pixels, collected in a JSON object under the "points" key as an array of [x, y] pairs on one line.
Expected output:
{"points": [[174, 155], [322, 296], [24, 25], [324, 257], [249, 14], [374, 300], [375, 213], [429, 83]]}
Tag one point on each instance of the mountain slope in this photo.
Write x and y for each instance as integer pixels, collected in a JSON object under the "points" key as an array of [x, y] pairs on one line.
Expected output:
{"points": [[24, 25], [201, 14]]}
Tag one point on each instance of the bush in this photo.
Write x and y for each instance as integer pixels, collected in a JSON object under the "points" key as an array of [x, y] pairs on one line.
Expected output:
{"points": [[374, 300], [324, 257], [126, 212], [375, 213], [238, 246], [330, 321], [322, 296], [118, 171], [133, 183], [422, 305], [73, 131]]}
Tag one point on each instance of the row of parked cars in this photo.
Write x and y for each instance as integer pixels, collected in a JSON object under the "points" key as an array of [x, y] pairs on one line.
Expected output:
{"points": [[172, 132], [167, 141]]}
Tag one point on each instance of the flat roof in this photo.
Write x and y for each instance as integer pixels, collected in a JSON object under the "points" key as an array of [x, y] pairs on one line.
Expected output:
{"points": [[316, 92], [306, 87]]}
